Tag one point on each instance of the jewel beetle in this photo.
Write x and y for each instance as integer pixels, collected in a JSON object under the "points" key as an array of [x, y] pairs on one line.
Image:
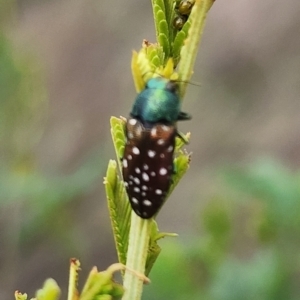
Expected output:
{"points": [[147, 163]]}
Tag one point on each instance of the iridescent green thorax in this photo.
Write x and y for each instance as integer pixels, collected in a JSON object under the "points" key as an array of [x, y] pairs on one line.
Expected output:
{"points": [[158, 102]]}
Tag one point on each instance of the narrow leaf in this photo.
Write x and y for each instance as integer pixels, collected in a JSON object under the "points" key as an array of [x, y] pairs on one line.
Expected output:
{"points": [[119, 209], [118, 135]]}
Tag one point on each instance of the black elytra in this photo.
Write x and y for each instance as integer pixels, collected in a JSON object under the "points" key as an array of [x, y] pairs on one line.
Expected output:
{"points": [[147, 163]]}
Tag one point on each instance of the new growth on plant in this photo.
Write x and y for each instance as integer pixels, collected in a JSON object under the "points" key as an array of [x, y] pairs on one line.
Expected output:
{"points": [[150, 160], [148, 145]]}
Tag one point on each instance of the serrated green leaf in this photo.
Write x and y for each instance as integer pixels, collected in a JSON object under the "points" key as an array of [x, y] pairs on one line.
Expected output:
{"points": [[157, 9], [161, 4], [156, 61], [136, 72], [153, 253], [20, 296], [118, 135], [164, 42], [181, 165], [181, 141], [179, 40], [73, 279], [159, 15], [50, 291], [155, 55], [101, 284], [161, 26], [141, 67], [118, 204], [154, 249], [172, 29], [119, 209], [169, 11]]}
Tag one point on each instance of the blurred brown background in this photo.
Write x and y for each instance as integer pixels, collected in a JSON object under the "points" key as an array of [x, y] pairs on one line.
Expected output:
{"points": [[78, 53]]}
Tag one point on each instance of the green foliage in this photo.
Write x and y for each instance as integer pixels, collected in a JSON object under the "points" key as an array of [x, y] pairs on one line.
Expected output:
{"points": [[29, 200], [179, 40], [101, 286], [98, 286], [264, 263], [171, 278], [154, 249], [119, 210], [152, 60], [23, 113], [49, 291], [22, 106], [162, 25]]}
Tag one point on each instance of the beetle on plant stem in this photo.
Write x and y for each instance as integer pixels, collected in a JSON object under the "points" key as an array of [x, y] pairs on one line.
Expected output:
{"points": [[147, 163]]}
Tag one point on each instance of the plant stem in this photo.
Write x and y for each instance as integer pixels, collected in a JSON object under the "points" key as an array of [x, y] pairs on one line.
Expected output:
{"points": [[136, 256], [190, 49]]}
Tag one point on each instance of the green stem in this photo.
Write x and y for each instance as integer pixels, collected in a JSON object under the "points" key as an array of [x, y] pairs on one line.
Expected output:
{"points": [[189, 51], [136, 256]]}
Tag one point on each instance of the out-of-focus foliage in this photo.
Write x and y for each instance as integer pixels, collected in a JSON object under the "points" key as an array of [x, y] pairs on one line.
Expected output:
{"points": [[23, 187], [99, 285], [248, 104], [265, 198], [22, 107]]}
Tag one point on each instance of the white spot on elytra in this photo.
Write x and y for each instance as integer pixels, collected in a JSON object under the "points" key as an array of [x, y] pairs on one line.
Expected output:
{"points": [[130, 182], [137, 170], [134, 200], [145, 176], [160, 142], [146, 167], [132, 122], [163, 171], [152, 174], [130, 177], [135, 150], [143, 194], [153, 131], [144, 187], [162, 155], [145, 214], [125, 163], [130, 135], [138, 131], [129, 156], [165, 128], [158, 192], [151, 153], [136, 189], [147, 202], [126, 183], [170, 148], [136, 180]]}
